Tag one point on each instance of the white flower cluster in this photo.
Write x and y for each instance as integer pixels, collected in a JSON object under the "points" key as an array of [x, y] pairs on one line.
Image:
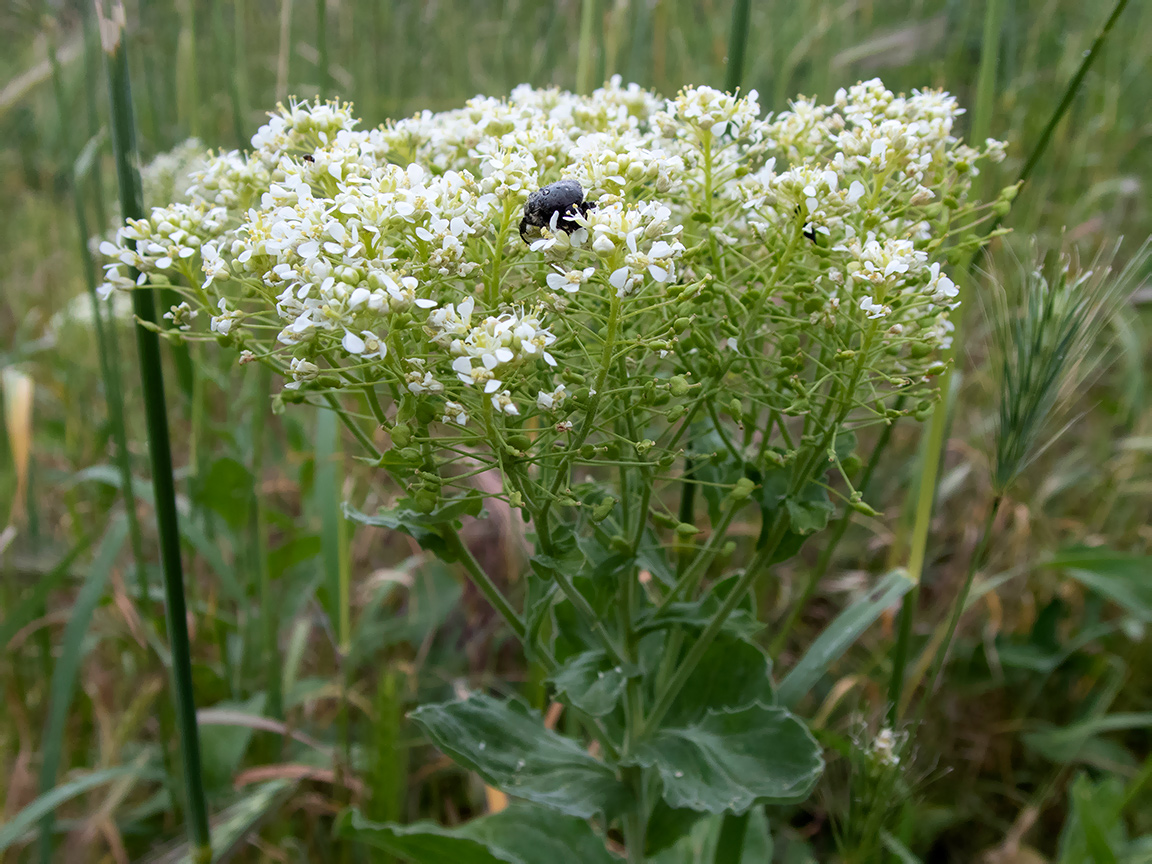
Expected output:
{"points": [[390, 258]]}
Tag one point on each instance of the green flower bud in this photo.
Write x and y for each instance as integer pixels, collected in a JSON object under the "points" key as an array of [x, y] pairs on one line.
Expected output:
{"points": [[675, 413], [401, 434], [664, 520], [863, 507], [601, 511], [742, 489], [619, 543], [519, 442], [681, 324], [678, 385], [921, 349], [686, 529]]}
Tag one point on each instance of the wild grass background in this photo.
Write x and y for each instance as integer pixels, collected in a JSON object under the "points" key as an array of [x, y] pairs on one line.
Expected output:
{"points": [[82, 669]]}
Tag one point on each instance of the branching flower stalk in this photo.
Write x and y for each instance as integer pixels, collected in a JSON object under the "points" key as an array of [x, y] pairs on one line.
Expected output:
{"points": [[752, 288]]}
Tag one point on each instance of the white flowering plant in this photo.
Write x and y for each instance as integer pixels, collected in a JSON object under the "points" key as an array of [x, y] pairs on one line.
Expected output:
{"points": [[735, 295]]}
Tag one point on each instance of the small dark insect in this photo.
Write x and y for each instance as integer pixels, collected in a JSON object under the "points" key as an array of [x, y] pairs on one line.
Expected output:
{"points": [[308, 157], [563, 198]]}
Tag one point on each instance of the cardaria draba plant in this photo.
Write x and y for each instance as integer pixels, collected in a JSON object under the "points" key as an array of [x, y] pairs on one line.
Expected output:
{"points": [[738, 296]]}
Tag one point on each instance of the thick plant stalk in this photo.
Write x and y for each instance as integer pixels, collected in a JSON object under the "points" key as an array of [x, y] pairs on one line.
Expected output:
{"points": [[112, 29]]}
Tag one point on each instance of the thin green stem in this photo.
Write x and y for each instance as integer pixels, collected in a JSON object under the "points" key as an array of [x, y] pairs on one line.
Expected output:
{"points": [[834, 538], [974, 564], [696, 652], [1069, 94], [258, 541], [152, 381], [485, 585], [352, 426]]}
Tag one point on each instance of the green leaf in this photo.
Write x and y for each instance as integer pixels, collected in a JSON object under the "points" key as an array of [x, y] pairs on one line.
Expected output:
{"points": [[1123, 579], [1093, 832], [31, 606], [507, 744], [1066, 744], [424, 528], [807, 516], [730, 760], [903, 853], [839, 636], [223, 747], [591, 681], [67, 667], [298, 549], [519, 834], [14, 829], [732, 674], [226, 489]]}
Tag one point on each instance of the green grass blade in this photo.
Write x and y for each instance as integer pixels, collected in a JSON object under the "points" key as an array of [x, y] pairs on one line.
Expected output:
{"points": [[67, 667], [839, 636], [32, 606], [13, 831], [737, 45]]}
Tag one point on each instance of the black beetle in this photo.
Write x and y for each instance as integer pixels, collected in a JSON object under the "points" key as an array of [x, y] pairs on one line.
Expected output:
{"points": [[563, 197]]}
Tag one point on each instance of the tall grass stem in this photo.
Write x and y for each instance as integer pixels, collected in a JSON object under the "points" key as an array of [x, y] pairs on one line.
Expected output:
{"points": [[112, 27]]}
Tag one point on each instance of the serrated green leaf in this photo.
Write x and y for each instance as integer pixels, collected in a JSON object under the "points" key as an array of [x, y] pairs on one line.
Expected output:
{"points": [[508, 745], [519, 834], [807, 517], [730, 760], [591, 681], [839, 636], [424, 528]]}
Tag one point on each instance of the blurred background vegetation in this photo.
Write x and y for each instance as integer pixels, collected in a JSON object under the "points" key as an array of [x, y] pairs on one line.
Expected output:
{"points": [[1047, 704]]}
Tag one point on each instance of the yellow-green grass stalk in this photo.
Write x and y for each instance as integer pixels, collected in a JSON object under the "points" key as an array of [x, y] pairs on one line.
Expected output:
{"points": [[112, 32], [931, 454], [588, 12]]}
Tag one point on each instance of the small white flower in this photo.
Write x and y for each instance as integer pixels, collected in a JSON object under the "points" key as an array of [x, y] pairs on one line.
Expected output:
{"points": [[502, 402], [569, 280], [551, 401], [873, 310], [301, 371], [454, 413], [182, 316]]}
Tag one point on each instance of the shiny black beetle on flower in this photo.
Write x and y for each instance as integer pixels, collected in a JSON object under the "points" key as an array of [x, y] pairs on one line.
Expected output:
{"points": [[560, 200]]}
